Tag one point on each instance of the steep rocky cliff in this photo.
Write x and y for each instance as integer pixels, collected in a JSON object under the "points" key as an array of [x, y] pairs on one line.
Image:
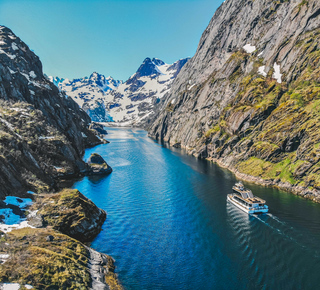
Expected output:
{"points": [[43, 133], [250, 96]]}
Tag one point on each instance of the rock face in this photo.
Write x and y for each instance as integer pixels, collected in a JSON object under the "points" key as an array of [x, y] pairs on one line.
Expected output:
{"points": [[102, 272], [43, 133], [71, 213], [249, 97], [98, 166], [130, 103]]}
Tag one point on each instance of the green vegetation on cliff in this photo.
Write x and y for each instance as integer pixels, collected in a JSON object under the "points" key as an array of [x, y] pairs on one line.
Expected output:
{"points": [[277, 125], [256, 105]]}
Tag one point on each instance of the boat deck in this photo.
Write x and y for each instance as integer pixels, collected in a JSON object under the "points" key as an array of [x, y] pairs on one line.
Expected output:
{"points": [[255, 200]]}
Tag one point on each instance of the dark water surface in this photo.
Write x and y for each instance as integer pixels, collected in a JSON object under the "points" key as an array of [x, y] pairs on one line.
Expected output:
{"points": [[169, 225]]}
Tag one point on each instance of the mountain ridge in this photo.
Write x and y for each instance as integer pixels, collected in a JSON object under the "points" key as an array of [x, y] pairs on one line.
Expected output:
{"points": [[43, 135], [127, 103]]}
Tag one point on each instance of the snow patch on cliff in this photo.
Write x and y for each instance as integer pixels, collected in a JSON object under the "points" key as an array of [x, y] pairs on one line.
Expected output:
{"points": [[13, 286], [261, 70], [249, 48]]}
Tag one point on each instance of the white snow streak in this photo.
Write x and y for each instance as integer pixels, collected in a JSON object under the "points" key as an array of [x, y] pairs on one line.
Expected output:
{"points": [[32, 74], [13, 286], [14, 46], [277, 75]]}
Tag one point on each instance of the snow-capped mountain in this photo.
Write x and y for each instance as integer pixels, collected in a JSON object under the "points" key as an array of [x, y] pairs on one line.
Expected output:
{"points": [[106, 99], [85, 89]]}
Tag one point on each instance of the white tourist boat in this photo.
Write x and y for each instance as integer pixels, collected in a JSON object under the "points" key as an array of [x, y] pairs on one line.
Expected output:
{"points": [[245, 200]]}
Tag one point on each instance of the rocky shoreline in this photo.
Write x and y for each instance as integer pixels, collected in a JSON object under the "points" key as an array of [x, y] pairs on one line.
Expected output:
{"points": [[304, 192], [52, 239], [101, 270], [311, 194]]}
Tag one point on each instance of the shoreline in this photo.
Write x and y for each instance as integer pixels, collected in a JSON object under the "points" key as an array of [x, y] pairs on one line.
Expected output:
{"points": [[310, 194], [100, 265]]}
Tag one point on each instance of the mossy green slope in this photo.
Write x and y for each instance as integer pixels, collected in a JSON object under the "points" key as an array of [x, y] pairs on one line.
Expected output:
{"points": [[276, 126], [58, 264]]}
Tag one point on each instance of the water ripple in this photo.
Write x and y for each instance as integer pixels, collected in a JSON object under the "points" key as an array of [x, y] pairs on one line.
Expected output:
{"points": [[169, 226]]}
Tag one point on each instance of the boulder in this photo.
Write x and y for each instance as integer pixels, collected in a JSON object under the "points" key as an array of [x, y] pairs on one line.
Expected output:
{"points": [[49, 238], [98, 166]]}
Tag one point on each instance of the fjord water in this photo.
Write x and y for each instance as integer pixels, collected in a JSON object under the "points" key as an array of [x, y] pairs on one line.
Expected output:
{"points": [[169, 225]]}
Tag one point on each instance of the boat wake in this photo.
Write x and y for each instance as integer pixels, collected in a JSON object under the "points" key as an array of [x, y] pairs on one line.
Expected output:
{"points": [[263, 240], [279, 227]]}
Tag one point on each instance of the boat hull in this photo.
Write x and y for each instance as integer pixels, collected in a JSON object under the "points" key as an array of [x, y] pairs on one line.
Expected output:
{"points": [[245, 209]]}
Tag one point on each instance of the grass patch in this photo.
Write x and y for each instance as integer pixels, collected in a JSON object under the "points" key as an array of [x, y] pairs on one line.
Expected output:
{"points": [[60, 264], [283, 170], [213, 130]]}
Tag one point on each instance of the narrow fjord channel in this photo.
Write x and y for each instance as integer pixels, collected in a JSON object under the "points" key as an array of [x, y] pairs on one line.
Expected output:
{"points": [[169, 225]]}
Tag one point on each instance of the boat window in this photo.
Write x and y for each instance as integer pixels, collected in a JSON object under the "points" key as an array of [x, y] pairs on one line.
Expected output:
{"points": [[250, 194], [240, 200]]}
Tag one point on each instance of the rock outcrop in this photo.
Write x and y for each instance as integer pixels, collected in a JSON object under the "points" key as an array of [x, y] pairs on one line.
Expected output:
{"points": [[98, 128], [43, 133], [69, 212], [98, 166], [249, 97]]}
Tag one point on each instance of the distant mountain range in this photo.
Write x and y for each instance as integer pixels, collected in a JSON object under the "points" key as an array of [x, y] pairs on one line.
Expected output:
{"points": [[129, 103]]}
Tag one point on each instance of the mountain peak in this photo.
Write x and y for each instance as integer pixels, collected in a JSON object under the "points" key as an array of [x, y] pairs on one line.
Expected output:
{"points": [[95, 76], [158, 61], [147, 68]]}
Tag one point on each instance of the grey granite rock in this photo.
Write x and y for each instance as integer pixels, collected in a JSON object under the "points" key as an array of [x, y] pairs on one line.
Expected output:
{"points": [[213, 112], [42, 129]]}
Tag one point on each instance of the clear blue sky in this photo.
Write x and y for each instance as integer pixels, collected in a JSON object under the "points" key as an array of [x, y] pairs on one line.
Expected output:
{"points": [[76, 37]]}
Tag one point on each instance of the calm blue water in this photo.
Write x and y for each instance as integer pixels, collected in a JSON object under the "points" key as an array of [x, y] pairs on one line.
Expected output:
{"points": [[169, 226]]}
